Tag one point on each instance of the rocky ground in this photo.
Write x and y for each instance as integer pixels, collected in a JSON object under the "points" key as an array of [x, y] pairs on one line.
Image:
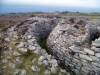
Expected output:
{"points": [[20, 54], [19, 61]]}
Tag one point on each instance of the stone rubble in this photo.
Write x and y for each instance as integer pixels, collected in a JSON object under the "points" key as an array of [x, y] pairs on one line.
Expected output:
{"points": [[35, 68]]}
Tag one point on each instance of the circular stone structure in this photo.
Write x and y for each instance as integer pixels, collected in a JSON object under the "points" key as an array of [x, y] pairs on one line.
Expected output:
{"points": [[73, 43], [77, 46]]}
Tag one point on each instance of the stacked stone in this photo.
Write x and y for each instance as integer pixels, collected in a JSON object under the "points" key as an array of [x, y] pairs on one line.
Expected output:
{"points": [[81, 58]]}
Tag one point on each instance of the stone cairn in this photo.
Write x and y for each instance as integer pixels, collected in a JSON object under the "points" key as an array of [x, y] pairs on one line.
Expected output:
{"points": [[71, 41]]}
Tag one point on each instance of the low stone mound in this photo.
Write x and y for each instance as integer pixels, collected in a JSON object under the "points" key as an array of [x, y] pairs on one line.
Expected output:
{"points": [[77, 47]]}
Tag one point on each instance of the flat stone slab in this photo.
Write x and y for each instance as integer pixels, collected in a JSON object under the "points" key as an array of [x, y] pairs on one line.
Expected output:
{"points": [[85, 57], [97, 54], [89, 51], [96, 43], [75, 49]]}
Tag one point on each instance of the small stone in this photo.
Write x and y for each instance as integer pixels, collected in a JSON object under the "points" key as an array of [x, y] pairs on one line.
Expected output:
{"points": [[36, 52], [23, 50], [67, 73], [47, 72], [15, 36], [40, 63], [53, 62], [16, 71], [89, 51], [12, 65], [42, 58], [43, 52], [18, 60], [48, 57], [62, 70], [35, 68], [4, 60], [31, 47], [23, 72], [10, 48], [53, 70], [16, 53], [96, 43], [21, 45], [29, 36], [7, 39], [97, 54], [46, 63], [31, 41], [75, 49], [5, 48]]}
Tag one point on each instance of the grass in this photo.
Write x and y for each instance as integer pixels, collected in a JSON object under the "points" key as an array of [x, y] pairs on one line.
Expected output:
{"points": [[42, 42], [82, 14], [4, 28]]}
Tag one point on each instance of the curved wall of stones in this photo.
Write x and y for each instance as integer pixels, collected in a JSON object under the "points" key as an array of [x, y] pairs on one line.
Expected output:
{"points": [[42, 27], [69, 44], [39, 27]]}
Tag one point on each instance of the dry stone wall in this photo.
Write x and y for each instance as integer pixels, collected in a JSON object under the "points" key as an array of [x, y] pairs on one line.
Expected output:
{"points": [[71, 46]]}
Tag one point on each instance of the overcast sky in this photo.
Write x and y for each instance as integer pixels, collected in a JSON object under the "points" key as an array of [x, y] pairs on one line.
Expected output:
{"points": [[76, 3], [86, 4]]}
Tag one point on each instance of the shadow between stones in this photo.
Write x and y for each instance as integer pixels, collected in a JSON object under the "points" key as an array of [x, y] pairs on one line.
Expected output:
{"points": [[42, 42]]}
